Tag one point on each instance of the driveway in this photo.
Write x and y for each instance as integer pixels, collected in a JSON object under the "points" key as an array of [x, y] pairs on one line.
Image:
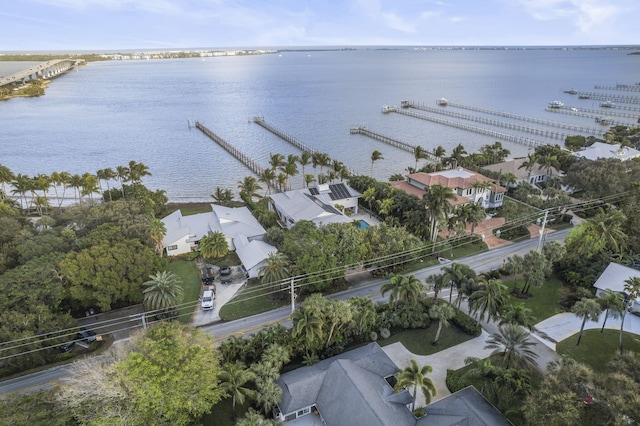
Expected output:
{"points": [[566, 324]]}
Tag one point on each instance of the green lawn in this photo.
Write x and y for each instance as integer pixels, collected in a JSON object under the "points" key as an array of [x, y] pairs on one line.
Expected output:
{"points": [[251, 300], [418, 340], [544, 299], [191, 284], [596, 349]]}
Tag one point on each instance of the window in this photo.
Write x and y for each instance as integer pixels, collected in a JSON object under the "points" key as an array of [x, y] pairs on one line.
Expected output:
{"points": [[303, 412], [173, 247]]}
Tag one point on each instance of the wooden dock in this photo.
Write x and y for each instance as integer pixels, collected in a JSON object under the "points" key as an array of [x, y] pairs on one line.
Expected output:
{"points": [[464, 126], [625, 99], [362, 130], [549, 123], [239, 155], [288, 138], [594, 114], [620, 87]]}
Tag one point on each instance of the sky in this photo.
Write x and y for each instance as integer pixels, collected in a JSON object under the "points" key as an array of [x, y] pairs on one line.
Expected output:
{"points": [[99, 25]]}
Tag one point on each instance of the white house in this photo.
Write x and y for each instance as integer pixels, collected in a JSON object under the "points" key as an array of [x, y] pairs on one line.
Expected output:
{"points": [[253, 254], [605, 150], [184, 232], [538, 173], [318, 204], [613, 279]]}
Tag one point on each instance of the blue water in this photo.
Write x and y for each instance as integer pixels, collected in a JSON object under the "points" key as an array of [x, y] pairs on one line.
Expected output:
{"points": [[111, 112], [363, 225]]}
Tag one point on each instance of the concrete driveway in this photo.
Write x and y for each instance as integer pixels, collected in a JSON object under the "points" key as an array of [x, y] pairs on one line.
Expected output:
{"points": [[566, 324]]}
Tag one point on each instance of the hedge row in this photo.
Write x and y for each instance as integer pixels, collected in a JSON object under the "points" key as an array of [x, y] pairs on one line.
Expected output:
{"points": [[467, 324]]}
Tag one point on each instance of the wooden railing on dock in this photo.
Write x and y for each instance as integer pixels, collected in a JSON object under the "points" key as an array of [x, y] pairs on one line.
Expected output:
{"points": [[288, 138], [464, 126], [620, 87], [625, 99], [558, 124], [588, 113], [239, 155], [362, 130]]}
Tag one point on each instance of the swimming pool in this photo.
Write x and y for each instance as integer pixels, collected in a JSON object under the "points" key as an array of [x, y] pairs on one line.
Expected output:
{"points": [[363, 225]]}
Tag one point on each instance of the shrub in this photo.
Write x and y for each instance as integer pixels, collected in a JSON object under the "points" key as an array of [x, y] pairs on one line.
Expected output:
{"points": [[373, 336], [467, 324], [385, 333], [454, 384]]}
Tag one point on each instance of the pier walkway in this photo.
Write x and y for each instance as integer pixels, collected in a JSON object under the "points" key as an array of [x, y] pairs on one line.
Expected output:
{"points": [[620, 87], [240, 156], [362, 130], [625, 99], [46, 70], [558, 124], [288, 138], [592, 113], [464, 126]]}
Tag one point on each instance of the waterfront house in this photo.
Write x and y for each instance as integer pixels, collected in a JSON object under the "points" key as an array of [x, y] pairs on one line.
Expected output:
{"points": [[538, 173], [605, 150], [184, 232], [322, 204], [613, 279], [355, 388], [468, 186]]}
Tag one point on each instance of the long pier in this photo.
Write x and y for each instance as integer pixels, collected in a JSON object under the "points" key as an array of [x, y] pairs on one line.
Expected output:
{"points": [[595, 114], [362, 130], [620, 87], [566, 126], [625, 99], [239, 155], [464, 126], [288, 138]]}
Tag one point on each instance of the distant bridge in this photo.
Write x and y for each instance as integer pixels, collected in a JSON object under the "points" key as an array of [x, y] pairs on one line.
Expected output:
{"points": [[46, 70]]}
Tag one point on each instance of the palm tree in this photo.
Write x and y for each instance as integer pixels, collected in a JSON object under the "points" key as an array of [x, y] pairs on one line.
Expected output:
{"points": [[513, 345], [213, 245], [608, 229], [276, 161], [60, 179], [122, 173], [416, 377], [456, 275], [157, 231], [222, 196], [369, 196], [249, 187], [457, 156], [632, 288], [163, 292], [21, 185], [106, 175], [403, 289], [517, 314], [309, 179], [438, 283], [529, 164], [375, 156], [587, 309], [304, 160], [89, 184], [137, 171], [436, 201], [489, 299], [234, 377], [439, 153], [609, 302], [277, 268], [308, 327], [267, 176], [323, 160], [441, 313], [548, 162], [419, 153], [514, 266], [6, 176]]}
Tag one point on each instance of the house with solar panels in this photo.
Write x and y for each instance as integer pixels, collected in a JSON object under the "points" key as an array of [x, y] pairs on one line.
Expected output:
{"points": [[322, 204]]}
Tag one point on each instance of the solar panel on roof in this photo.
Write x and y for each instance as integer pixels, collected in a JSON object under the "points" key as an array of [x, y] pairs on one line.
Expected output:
{"points": [[314, 191], [339, 191]]}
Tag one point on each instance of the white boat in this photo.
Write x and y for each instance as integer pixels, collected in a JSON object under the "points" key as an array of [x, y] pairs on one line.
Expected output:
{"points": [[442, 102], [555, 104], [607, 104]]}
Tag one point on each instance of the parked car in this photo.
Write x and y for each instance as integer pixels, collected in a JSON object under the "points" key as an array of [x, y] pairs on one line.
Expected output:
{"points": [[207, 299], [88, 336], [225, 274], [66, 347]]}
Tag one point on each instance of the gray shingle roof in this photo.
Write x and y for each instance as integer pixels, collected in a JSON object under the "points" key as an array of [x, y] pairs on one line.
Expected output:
{"points": [[466, 407]]}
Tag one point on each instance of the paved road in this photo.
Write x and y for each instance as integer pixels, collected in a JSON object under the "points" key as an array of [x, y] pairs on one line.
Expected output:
{"points": [[481, 262]]}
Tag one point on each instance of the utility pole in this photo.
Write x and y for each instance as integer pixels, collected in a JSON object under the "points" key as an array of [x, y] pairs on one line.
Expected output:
{"points": [[293, 298], [544, 223]]}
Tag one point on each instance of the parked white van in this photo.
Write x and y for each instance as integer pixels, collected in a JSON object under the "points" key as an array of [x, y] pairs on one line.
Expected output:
{"points": [[207, 299]]}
